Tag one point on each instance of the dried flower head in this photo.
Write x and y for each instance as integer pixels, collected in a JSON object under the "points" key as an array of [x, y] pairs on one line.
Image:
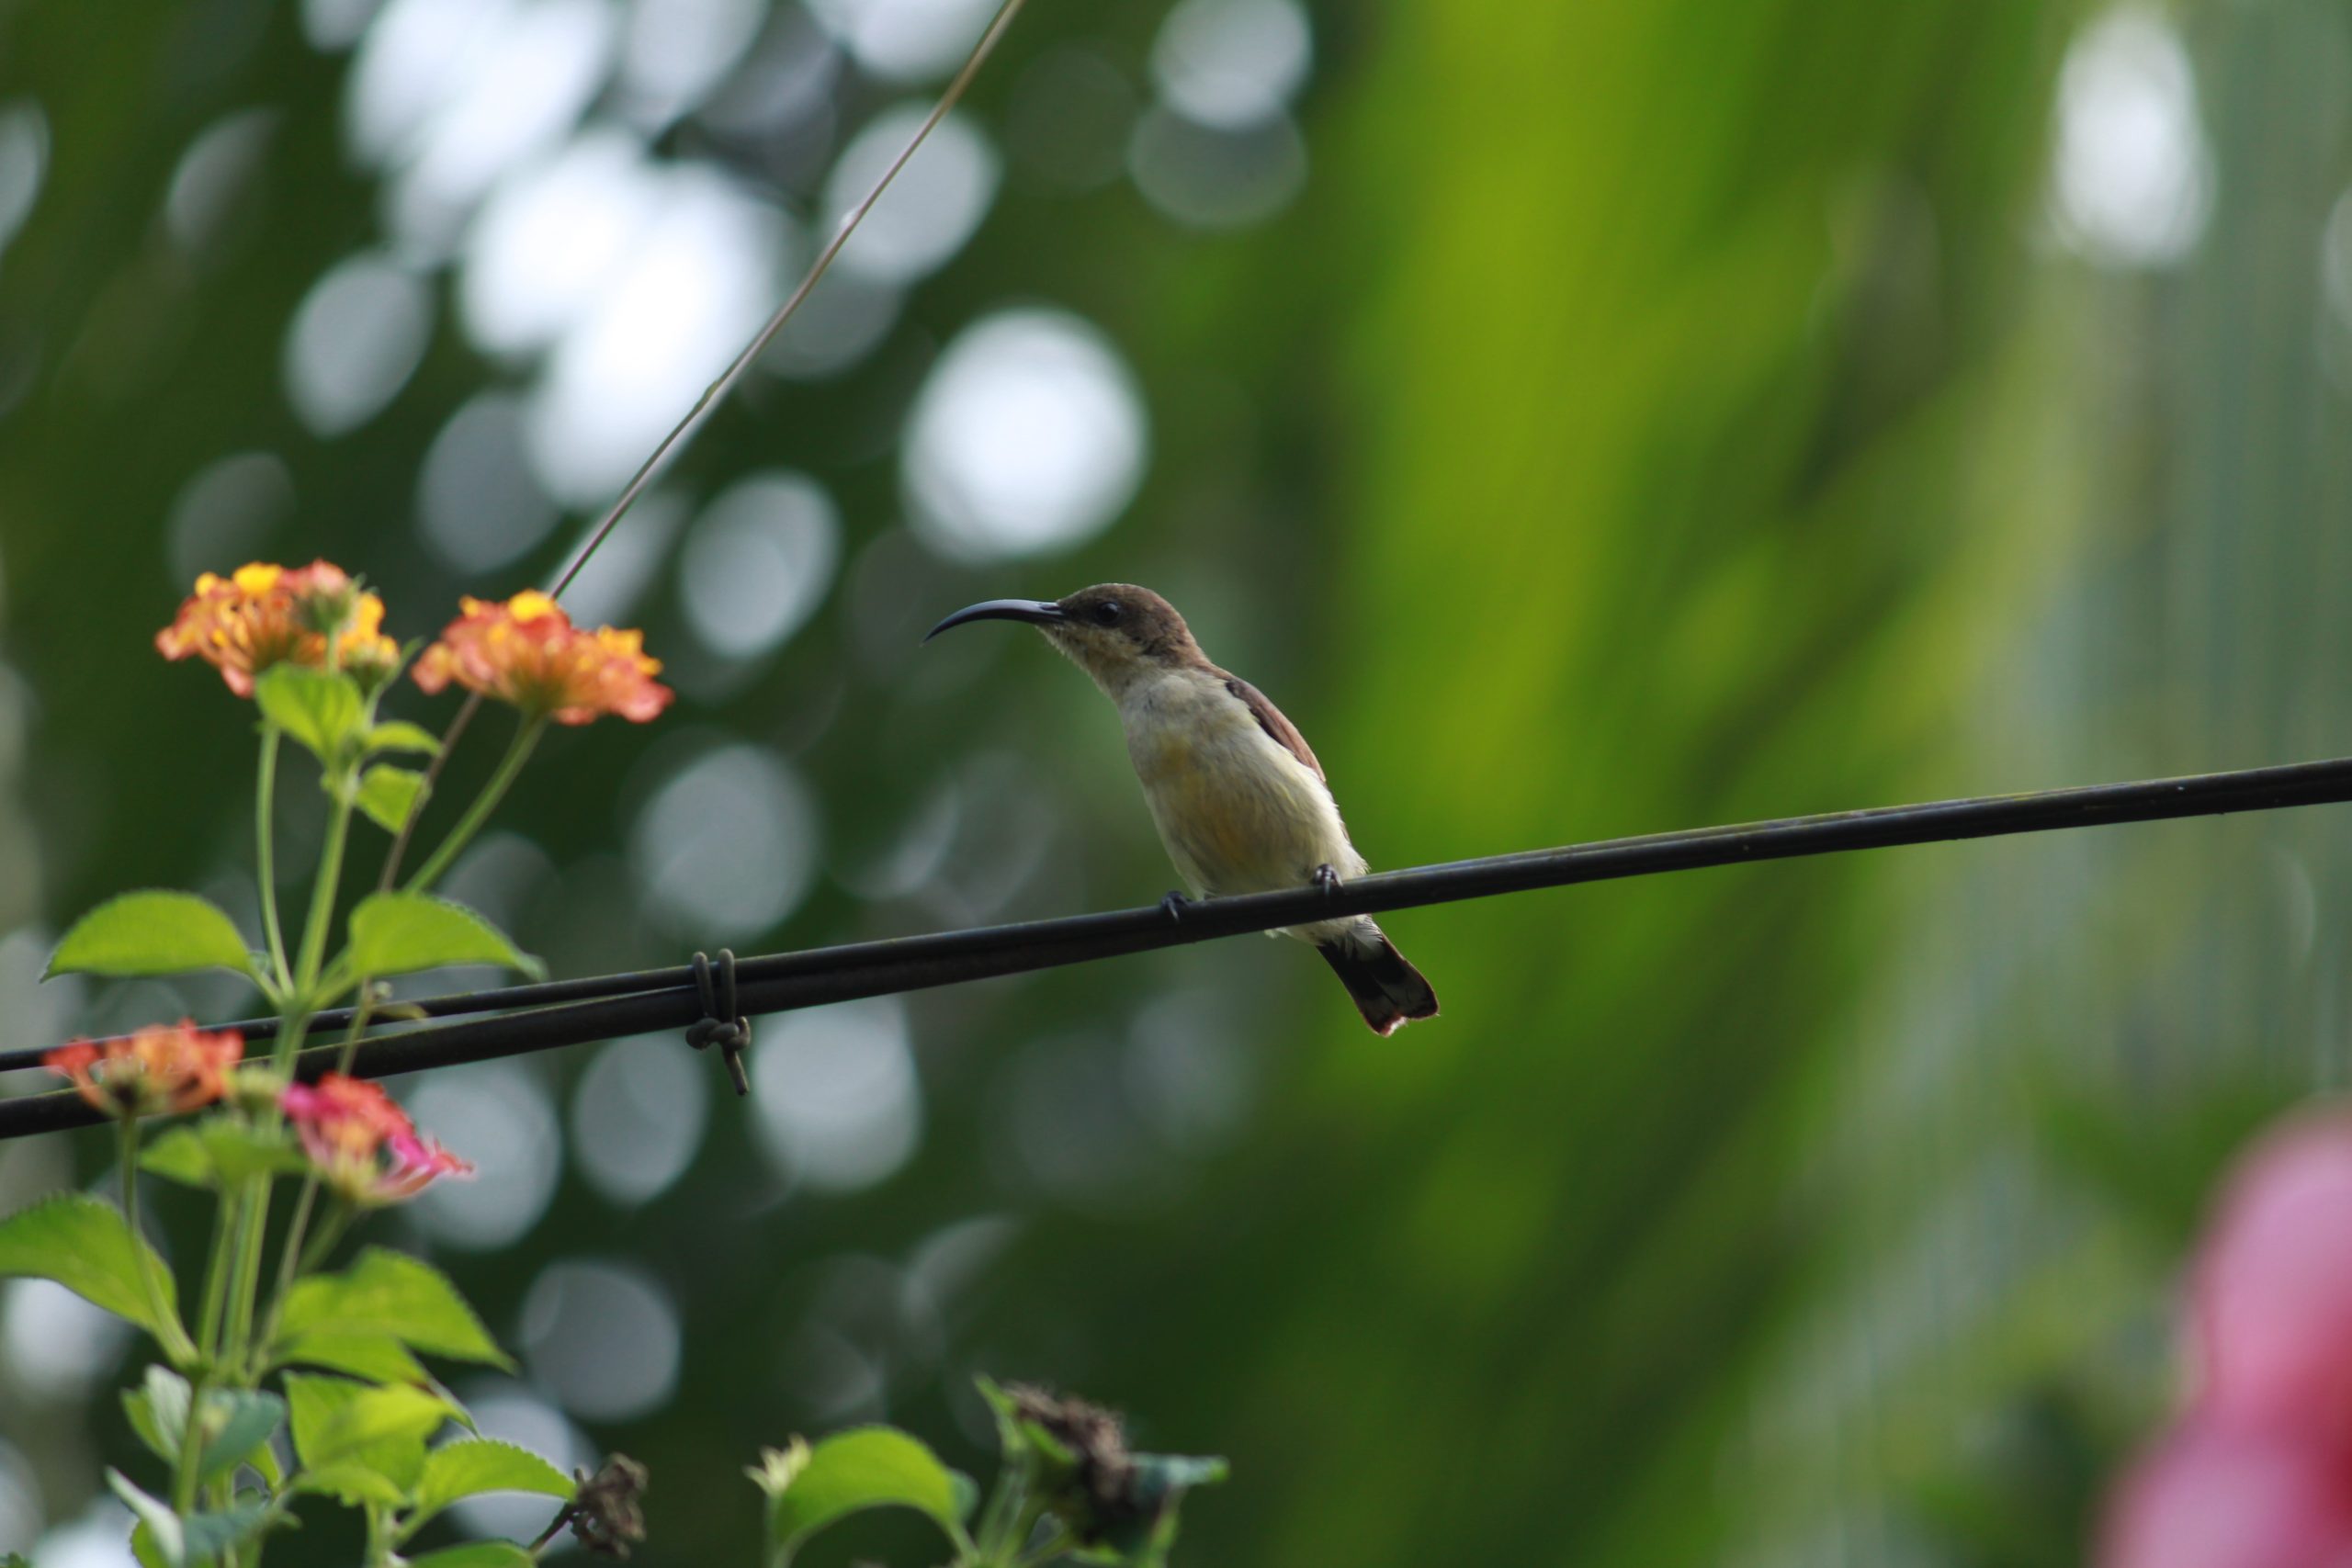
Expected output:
{"points": [[528, 652], [609, 1510], [263, 614], [163, 1067], [362, 1145]]}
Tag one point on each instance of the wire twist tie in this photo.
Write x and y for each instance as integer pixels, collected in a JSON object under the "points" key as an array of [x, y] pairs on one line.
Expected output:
{"points": [[720, 1024]]}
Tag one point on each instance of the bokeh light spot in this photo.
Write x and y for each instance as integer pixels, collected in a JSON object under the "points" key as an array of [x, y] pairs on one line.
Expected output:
{"points": [[2133, 182], [602, 1339], [726, 848], [929, 209], [697, 281], [757, 562], [1206, 178], [1232, 64], [905, 40], [838, 1099], [24, 159], [355, 341], [214, 175], [637, 1117], [57, 1345], [478, 504], [497, 1115], [551, 236], [675, 51], [1029, 435], [224, 514]]}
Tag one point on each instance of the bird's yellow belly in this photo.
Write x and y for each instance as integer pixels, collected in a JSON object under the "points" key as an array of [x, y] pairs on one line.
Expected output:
{"points": [[1238, 814]]}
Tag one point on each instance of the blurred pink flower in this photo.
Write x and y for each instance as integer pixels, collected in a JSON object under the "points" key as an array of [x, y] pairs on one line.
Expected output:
{"points": [[2210, 1497], [2257, 1473], [2272, 1294]]}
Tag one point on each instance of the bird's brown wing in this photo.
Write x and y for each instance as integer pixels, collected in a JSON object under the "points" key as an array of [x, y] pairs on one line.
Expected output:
{"points": [[1282, 731]]}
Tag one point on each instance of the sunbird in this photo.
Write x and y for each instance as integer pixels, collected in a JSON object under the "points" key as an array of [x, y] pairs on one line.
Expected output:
{"points": [[1240, 800]]}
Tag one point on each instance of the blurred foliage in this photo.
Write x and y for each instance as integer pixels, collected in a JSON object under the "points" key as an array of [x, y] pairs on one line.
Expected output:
{"points": [[1647, 416]]}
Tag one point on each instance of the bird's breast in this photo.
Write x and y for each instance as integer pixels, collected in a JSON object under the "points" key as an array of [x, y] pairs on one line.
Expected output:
{"points": [[1237, 812]]}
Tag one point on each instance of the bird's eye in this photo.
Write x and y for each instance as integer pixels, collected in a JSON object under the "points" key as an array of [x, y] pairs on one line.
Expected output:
{"points": [[1109, 612]]}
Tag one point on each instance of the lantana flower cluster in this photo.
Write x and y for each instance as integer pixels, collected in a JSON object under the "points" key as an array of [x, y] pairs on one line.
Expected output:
{"points": [[263, 614], [2258, 1471], [362, 1145], [161, 1069], [525, 650]]}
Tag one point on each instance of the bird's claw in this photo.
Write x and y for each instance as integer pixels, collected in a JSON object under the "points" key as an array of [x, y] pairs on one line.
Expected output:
{"points": [[1174, 907], [1327, 881]]}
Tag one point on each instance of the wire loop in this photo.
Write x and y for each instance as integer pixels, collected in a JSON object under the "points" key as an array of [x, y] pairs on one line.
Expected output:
{"points": [[722, 1024]]}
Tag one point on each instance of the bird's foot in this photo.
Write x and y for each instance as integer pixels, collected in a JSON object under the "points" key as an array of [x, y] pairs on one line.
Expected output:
{"points": [[1327, 880], [1175, 905]]}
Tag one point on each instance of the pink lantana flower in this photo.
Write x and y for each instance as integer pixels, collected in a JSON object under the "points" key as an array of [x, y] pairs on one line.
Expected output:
{"points": [[362, 1145]]}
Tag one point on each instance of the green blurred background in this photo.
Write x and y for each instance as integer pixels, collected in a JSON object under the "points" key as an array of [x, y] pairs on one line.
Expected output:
{"points": [[1584, 419]]}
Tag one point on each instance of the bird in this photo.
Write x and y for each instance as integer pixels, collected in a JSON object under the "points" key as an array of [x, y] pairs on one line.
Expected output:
{"points": [[1240, 800]]}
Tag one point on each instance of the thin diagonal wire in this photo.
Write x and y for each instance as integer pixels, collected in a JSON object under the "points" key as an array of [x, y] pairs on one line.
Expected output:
{"points": [[574, 1011], [712, 397]]}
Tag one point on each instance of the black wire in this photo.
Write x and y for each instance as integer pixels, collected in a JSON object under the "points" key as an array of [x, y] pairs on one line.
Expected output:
{"points": [[570, 1013]]}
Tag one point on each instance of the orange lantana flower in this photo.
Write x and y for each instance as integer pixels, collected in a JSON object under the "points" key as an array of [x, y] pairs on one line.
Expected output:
{"points": [[163, 1067], [528, 652], [263, 614], [362, 1145]]}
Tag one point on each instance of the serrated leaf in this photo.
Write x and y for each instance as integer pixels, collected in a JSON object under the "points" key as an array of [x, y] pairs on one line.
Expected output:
{"points": [[338, 1421], [378, 1358], [237, 1421], [472, 1466], [320, 709], [399, 735], [83, 1244], [391, 1294], [867, 1467], [476, 1554], [388, 793], [398, 933], [353, 1484], [156, 930]]}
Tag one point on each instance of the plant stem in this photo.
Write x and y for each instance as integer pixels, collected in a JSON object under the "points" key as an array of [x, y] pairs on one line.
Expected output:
{"points": [[517, 753], [291, 1258], [184, 1473], [323, 892], [216, 1280], [156, 1307], [265, 854]]}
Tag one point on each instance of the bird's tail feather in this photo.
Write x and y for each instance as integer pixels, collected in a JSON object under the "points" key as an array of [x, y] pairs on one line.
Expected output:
{"points": [[1387, 990]]}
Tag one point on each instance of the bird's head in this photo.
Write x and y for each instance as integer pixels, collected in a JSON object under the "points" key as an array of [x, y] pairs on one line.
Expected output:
{"points": [[1114, 631]]}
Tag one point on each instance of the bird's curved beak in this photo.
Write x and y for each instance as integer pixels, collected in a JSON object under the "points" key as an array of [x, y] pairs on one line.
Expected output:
{"points": [[1036, 612]]}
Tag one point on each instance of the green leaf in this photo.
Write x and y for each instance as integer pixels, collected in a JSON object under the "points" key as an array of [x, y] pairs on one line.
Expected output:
{"points": [[388, 793], [398, 933], [15, 1560], [200, 1538], [220, 1151], [337, 1421], [353, 1484], [378, 1358], [322, 709], [474, 1465], [867, 1467], [178, 1156], [83, 1244], [158, 1412], [236, 1422], [476, 1554], [153, 931], [391, 1294], [399, 735]]}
